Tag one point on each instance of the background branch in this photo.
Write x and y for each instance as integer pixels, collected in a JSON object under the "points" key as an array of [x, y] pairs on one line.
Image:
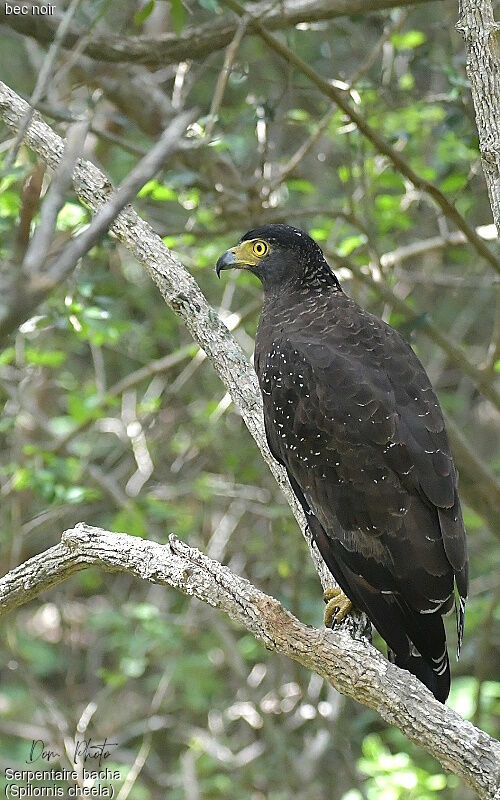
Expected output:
{"points": [[380, 145], [194, 41], [37, 279]]}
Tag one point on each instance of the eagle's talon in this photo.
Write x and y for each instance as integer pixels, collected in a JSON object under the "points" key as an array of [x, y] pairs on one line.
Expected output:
{"points": [[338, 606]]}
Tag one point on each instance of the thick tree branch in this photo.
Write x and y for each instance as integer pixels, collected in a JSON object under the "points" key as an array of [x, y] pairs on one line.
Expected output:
{"points": [[351, 665], [480, 31], [194, 41]]}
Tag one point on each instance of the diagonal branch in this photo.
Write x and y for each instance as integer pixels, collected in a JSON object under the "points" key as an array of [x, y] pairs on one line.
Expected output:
{"points": [[177, 286], [351, 665], [36, 280]]}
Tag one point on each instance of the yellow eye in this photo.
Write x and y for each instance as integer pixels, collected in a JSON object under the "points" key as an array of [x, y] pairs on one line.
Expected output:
{"points": [[260, 248]]}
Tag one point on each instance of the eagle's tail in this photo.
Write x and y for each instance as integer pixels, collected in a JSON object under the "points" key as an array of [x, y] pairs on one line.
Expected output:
{"points": [[416, 642]]}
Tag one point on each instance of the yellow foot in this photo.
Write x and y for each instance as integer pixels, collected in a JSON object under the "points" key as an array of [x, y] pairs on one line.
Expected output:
{"points": [[337, 606]]}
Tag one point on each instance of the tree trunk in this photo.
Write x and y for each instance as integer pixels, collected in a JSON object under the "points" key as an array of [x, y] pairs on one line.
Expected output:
{"points": [[479, 29]]}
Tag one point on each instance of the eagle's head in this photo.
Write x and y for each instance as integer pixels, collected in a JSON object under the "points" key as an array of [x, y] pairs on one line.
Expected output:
{"points": [[281, 256]]}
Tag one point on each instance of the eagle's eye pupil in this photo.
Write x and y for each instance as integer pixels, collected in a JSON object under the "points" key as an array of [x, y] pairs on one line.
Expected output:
{"points": [[260, 248]]}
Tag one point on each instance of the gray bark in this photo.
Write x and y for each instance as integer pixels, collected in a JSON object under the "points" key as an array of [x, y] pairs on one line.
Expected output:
{"points": [[351, 665], [480, 32]]}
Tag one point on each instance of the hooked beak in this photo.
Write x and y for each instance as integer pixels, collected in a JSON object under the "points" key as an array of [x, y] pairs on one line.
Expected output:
{"points": [[226, 261]]}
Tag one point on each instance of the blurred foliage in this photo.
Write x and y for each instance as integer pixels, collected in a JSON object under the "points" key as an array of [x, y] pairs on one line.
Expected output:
{"points": [[208, 710]]}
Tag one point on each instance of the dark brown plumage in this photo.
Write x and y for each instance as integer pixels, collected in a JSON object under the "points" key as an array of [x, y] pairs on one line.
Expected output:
{"points": [[350, 413]]}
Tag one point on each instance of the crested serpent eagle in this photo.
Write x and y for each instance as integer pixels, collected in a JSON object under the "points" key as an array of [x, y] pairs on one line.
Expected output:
{"points": [[351, 415]]}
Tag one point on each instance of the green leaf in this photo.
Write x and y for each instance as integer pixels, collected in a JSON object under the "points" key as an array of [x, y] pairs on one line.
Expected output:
{"points": [[44, 659], [283, 568], [350, 243], [472, 520], [94, 312], [210, 5], [130, 520], [408, 40], [344, 173], [141, 16], [301, 185], [44, 358], [112, 678], [71, 215], [406, 81], [80, 408], [76, 495], [158, 191], [178, 15], [10, 178], [7, 356], [453, 183], [132, 667], [320, 234], [388, 179], [21, 478], [144, 611], [298, 115], [436, 782], [10, 203], [462, 695]]}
